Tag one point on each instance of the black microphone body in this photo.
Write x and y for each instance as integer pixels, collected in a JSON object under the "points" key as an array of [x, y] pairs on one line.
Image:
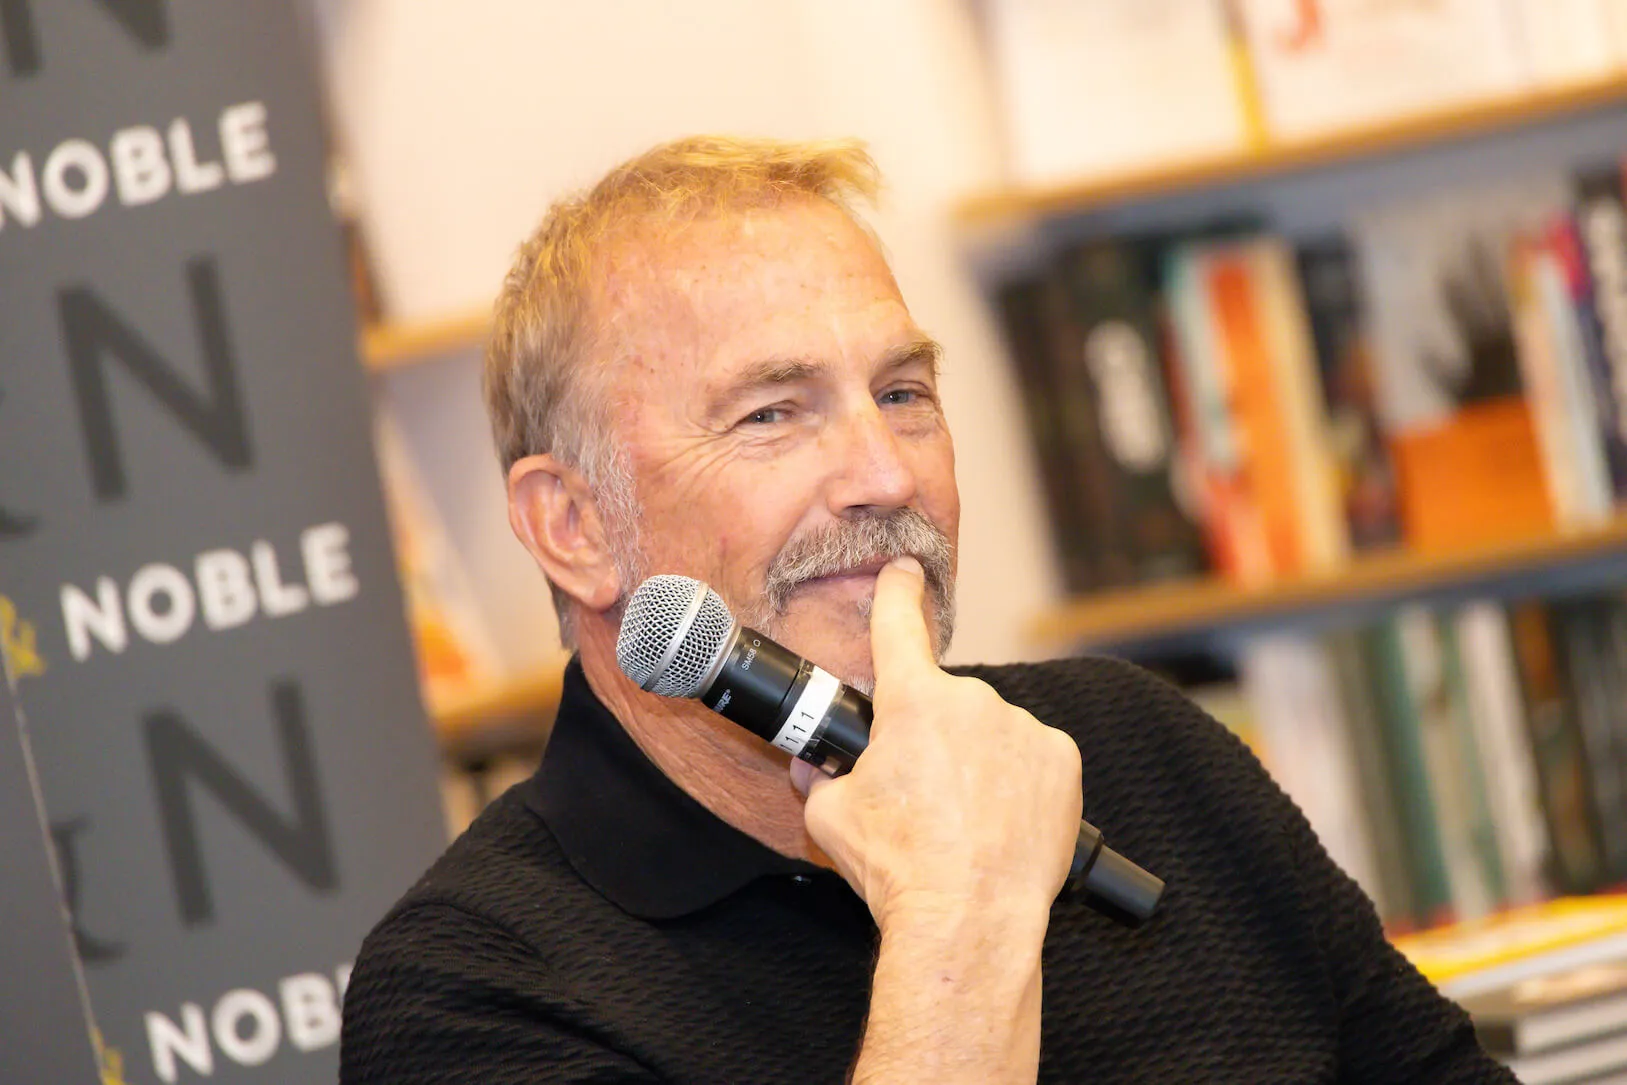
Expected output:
{"points": [[805, 711]]}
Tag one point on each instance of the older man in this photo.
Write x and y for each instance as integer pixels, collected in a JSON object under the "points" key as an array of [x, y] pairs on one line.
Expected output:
{"points": [[704, 366]]}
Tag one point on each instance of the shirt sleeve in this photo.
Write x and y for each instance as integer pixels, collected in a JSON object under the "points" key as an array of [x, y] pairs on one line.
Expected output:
{"points": [[443, 997]]}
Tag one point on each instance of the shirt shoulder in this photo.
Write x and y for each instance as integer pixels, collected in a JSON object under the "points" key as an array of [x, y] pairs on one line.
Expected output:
{"points": [[1130, 723]]}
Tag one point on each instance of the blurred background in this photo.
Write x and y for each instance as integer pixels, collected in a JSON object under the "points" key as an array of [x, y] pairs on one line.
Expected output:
{"points": [[1286, 355]]}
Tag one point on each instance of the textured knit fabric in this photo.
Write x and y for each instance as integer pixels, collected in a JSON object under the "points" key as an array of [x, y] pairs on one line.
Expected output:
{"points": [[532, 953]]}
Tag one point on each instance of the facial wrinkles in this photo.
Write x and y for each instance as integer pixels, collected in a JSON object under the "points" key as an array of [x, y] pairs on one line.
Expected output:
{"points": [[676, 307]]}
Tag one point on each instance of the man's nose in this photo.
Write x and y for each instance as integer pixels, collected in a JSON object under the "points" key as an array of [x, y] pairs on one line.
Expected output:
{"points": [[869, 471]]}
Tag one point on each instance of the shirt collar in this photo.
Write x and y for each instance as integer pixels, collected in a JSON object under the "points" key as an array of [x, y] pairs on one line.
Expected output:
{"points": [[631, 833]]}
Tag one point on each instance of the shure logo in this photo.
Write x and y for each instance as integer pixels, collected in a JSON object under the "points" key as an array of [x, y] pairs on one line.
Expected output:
{"points": [[723, 701]]}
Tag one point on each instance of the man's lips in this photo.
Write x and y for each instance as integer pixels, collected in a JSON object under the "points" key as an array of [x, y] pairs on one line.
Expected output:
{"points": [[867, 570]]}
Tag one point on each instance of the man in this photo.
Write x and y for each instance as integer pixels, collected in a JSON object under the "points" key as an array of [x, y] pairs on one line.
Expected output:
{"points": [[704, 366]]}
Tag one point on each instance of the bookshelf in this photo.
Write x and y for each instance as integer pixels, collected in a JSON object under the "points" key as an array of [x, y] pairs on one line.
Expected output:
{"points": [[514, 712], [394, 345], [1007, 206], [1186, 608]]}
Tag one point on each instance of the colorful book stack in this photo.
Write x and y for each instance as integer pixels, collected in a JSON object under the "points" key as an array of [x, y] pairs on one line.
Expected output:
{"points": [[1452, 373], [1545, 985]]}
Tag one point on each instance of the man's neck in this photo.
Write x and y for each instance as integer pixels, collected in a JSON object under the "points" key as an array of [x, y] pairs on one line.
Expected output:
{"points": [[720, 765]]}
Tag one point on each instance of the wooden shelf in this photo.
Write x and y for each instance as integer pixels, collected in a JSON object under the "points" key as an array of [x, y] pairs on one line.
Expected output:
{"points": [[1288, 156], [1178, 609], [390, 346], [517, 710]]}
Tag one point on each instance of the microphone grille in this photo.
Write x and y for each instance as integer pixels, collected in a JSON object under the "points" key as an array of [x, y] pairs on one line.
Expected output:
{"points": [[655, 619]]}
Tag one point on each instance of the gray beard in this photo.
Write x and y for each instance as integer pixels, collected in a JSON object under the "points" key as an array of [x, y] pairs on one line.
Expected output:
{"points": [[827, 551]]}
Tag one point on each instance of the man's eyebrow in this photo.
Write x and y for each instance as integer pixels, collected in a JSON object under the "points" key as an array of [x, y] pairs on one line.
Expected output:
{"points": [[765, 373], [774, 372], [922, 350]]}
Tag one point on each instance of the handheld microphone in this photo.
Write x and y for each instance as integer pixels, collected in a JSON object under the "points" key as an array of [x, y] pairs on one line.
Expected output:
{"points": [[678, 639]]}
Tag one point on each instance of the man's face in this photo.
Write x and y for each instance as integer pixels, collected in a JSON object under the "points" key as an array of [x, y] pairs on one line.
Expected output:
{"points": [[779, 410]]}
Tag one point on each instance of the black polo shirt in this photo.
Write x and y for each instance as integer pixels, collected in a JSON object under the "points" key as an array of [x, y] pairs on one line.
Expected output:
{"points": [[596, 924]]}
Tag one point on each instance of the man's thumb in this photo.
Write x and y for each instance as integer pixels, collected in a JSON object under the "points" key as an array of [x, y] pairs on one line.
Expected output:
{"points": [[802, 775]]}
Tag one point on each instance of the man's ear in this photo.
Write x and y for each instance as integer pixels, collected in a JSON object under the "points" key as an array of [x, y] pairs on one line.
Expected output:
{"points": [[552, 511]]}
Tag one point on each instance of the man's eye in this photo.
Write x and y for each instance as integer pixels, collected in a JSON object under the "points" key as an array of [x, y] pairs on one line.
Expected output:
{"points": [[899, 397], [764, 416]]}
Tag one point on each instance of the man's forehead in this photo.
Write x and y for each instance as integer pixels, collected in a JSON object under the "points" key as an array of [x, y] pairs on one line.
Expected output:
{"points": [[741, 275]]}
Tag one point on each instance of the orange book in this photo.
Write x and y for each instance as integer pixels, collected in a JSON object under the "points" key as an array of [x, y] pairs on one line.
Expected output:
{"points": [[1476, 477], [1257, 405]]}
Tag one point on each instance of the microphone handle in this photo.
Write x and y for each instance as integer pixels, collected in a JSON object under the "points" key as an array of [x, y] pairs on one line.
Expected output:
{"points": [[808, 713]]}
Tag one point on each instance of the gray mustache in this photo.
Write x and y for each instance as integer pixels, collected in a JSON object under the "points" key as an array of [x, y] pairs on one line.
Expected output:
{"points": [[847, 543]]}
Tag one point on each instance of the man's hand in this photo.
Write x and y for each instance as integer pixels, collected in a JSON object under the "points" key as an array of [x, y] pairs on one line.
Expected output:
{"points": [[960, 797], [957, 827]]}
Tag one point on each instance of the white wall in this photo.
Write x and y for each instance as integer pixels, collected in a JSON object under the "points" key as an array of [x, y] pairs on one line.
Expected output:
{"points": [[465, 118]]}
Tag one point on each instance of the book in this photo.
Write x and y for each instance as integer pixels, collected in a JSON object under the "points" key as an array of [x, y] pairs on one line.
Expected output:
{"points": [[1549, 363], [1495, 711], [1337, 64], [1166, 66], [1385, 652], [1234, 528], [1473, 871], [1565, 293], [1027, 310], [1336, 309], [1576, 1065], [1376, 788], [1468, 959], [1601, 227], [1558, 754], [1293, 693], [1581, 631], [1110, 360], [1545, 1012]]}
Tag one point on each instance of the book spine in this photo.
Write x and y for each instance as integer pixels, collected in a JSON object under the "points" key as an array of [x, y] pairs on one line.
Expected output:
{"points": [[1324, 541], [1404, 754], [1601, 226], [1558, 275], [1582, 663], [1540, 370], [1611, 619], [1469, 765], [1426, 662], [1293, 692], [1025, 316], [1255, 394], [1235, 536], [1111, 288], [1330, 281], [1495, 711], [1376, 791], [1576, 862]]}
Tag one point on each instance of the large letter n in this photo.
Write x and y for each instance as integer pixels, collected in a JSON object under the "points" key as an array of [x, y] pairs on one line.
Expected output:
{"points": [[178, 757], [93, 332]]}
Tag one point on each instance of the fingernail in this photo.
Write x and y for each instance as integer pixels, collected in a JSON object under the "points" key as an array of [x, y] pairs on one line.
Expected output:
{"points": [[908, 564], [801, 775]]}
